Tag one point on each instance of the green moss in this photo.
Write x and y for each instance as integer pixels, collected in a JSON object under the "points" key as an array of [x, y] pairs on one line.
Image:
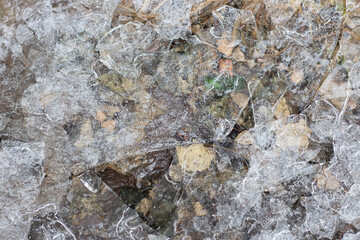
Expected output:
{"points": [[224, 84]]}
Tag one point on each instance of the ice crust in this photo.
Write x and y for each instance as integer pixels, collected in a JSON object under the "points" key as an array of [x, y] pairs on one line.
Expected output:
{"points": [[22, 172], [59, 43]]}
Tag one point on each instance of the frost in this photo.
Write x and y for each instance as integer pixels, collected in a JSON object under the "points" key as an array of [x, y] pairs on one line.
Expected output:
{"points": [[173, 16], [351, 236], [23, 34], [350, 208], [22, 172], [58, 97], [270, 89], [123, 45], [321, 219], [3, 122]]}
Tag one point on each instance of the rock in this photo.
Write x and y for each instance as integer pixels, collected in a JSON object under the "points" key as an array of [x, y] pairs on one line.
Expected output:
{"points": [[327, 180], [86, 135], [195, 157], [161, 214], [226, 66], [136, 171], [144, 206], [100, 116], [111, 110], [109, 125], [184, 86], [224, 46], [282, 110], [116, 180], [153, 165], [128, 85], [175, 173], [151, 195], [293, 135], [124, 185], [212, 194], [220, 108], [351, 104], [92, 210], [113, 81], [238, 55], [47, 99], [78, 168], [199, 210], [245, 138], [297, 76], [335, 87], [251, 63], [240, 99], [158, 211]]}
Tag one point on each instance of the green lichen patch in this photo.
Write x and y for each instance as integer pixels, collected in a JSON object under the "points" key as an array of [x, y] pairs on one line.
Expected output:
{"points": [[223, 83]]}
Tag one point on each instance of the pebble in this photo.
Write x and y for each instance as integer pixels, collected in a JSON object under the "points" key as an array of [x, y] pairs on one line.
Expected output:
{"points": [[111, 110], [251, 63], [195, 157], [238, 55], [245, 138], [175, 173], [86, 135], [224, 46], [297, 76], [144, 206], [293, 135], [282, 110], [109, 125], [78, 168], [199, 209], [327, 180], [100, 116], [335, 87], [240, 99], [226, 66]]}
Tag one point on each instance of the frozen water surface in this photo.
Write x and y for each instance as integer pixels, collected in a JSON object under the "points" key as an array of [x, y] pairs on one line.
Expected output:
{"points": [[188, 119]]}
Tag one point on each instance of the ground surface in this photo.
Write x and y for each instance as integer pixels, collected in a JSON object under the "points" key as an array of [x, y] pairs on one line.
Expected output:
{"points": [[179, 119]]}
